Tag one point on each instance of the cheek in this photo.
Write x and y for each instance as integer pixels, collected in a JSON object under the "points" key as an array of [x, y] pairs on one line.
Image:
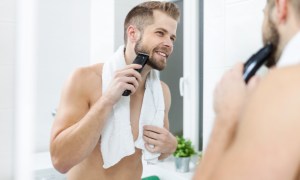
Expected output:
{"points": [[172, 48]]}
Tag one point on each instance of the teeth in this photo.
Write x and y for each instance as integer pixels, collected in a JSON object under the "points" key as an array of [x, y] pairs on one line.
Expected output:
{"points": [[162, 54]]}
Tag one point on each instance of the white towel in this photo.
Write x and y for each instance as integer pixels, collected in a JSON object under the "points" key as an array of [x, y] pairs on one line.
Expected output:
{"points": [[117, 139]]}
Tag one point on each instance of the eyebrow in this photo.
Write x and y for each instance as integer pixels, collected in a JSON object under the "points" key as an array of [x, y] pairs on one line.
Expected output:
{"points": [[165, 31]]}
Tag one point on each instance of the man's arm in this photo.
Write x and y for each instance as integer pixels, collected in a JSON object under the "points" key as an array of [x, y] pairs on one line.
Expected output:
{"points": [[172, 139], [266, 144], [163, 140], [229, 96], [221, 137], [77, 127]]}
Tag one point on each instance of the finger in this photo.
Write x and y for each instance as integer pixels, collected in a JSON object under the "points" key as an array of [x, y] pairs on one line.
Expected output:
{"points": [[150, 140], [151, 148], [133, 66], [253, 83], [151, 134], [134, 73], [130, 88], [239, 67], [128, 73], [127, 83], [153, 129], [131, 80]]}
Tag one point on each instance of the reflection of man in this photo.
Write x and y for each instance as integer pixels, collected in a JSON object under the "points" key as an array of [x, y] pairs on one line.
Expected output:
{"points": [[256, 132], [97, 130]]}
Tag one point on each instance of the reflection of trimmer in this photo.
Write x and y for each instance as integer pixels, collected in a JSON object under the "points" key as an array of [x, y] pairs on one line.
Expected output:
{"points": [[256, 61], [141, 59]]}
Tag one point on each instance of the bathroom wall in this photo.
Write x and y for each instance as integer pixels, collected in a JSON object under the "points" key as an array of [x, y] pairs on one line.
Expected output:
{"points": [[70, 34], [7, 69], [121, 10], [232, 32], [63, 42]]}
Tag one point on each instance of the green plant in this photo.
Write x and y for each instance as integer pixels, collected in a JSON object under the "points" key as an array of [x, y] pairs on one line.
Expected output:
{"points": [[184, 147]]}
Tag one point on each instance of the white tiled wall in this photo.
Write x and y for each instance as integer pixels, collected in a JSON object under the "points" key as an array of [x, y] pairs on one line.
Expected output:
{"points": [[232, 32], [63, 45], [121, 10], [7, 61]]}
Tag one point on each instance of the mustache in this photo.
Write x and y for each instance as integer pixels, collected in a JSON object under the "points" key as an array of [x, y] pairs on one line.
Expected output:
{"points": [[164, 50]]}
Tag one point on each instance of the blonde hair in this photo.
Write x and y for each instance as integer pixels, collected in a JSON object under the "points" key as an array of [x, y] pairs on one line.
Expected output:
{"points": [[142, 14]]}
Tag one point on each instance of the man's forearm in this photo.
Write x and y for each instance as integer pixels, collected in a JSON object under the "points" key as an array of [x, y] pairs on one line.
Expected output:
{"points": [[221, 136], [78, 140]]}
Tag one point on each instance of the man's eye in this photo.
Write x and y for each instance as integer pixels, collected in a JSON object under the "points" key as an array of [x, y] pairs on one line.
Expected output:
{"points": [[160, 33]]}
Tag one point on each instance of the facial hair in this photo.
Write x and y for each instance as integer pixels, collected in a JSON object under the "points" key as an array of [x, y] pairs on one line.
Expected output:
{"points": [[152, 62], [273, 38]]}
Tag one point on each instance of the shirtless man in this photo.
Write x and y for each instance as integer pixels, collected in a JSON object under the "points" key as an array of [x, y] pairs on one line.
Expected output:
{"points": [[257, 127], [83, 109]]}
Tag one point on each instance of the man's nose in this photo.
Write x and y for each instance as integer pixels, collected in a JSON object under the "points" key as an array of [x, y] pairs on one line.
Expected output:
{"points": [[168, 43]]}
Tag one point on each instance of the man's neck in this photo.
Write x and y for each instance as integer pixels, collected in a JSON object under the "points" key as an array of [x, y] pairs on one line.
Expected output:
{"points": [[289, 30]]}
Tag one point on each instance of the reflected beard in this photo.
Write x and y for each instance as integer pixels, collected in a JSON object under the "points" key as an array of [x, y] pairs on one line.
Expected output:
{"points": [[152, 62], [156, 63], [273, 38]]}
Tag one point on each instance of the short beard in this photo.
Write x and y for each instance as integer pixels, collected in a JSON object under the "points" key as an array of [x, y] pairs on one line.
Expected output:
{"points": [[274, 39], [151, 62], [138, 48]]}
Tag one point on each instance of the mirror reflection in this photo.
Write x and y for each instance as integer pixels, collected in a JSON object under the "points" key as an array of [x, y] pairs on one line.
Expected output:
{"points": [[73, 34], [65, 43]]}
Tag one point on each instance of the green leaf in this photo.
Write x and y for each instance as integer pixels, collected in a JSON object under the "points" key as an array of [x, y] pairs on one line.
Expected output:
{"points": [[184, 147]]}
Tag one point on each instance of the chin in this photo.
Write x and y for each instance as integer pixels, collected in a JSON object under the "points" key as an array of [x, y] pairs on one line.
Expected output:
{"points": [[162, 67]]}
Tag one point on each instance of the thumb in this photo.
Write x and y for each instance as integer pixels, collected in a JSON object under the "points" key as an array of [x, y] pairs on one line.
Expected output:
{"points": [[253, 83]]}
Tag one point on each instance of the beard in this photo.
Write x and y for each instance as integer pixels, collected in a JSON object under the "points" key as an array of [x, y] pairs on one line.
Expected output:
{"points": [[272, 36], [152, 61]]}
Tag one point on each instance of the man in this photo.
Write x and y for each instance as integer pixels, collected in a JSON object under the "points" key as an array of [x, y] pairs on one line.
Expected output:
{"points": [[87, 110], [256, 132]]}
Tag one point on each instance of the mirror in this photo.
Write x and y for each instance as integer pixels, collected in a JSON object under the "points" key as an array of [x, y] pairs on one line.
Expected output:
{"points": [[70, 35]]}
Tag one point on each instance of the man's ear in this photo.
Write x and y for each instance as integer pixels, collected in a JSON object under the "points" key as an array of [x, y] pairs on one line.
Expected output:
{"points": [[281, 10], [133, 33]]}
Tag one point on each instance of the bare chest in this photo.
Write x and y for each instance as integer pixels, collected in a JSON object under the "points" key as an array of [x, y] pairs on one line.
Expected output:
{"points": [[136, 103]]}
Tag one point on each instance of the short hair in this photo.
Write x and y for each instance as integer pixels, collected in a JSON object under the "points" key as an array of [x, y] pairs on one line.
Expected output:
{"points": [[142, 14]]}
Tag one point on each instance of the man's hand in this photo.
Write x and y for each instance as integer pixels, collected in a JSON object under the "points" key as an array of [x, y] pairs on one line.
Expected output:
{"points": [[231, 93], [124, 79], [159, 140]]}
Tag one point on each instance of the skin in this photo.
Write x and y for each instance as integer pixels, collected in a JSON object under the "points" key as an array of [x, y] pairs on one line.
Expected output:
{"points": [[256, 130], [83, 110]]}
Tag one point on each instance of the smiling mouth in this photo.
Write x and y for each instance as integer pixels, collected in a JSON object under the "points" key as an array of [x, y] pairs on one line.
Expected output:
{"points": [[165, 55]]}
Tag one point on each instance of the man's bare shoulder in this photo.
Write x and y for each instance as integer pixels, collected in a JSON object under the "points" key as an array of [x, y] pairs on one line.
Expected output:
{"points": [[165, 87], [90, 71], [85, 74], [84, 79], [281, 80], [277, 95], [266, 140], [271, 120], [167, 95]]}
